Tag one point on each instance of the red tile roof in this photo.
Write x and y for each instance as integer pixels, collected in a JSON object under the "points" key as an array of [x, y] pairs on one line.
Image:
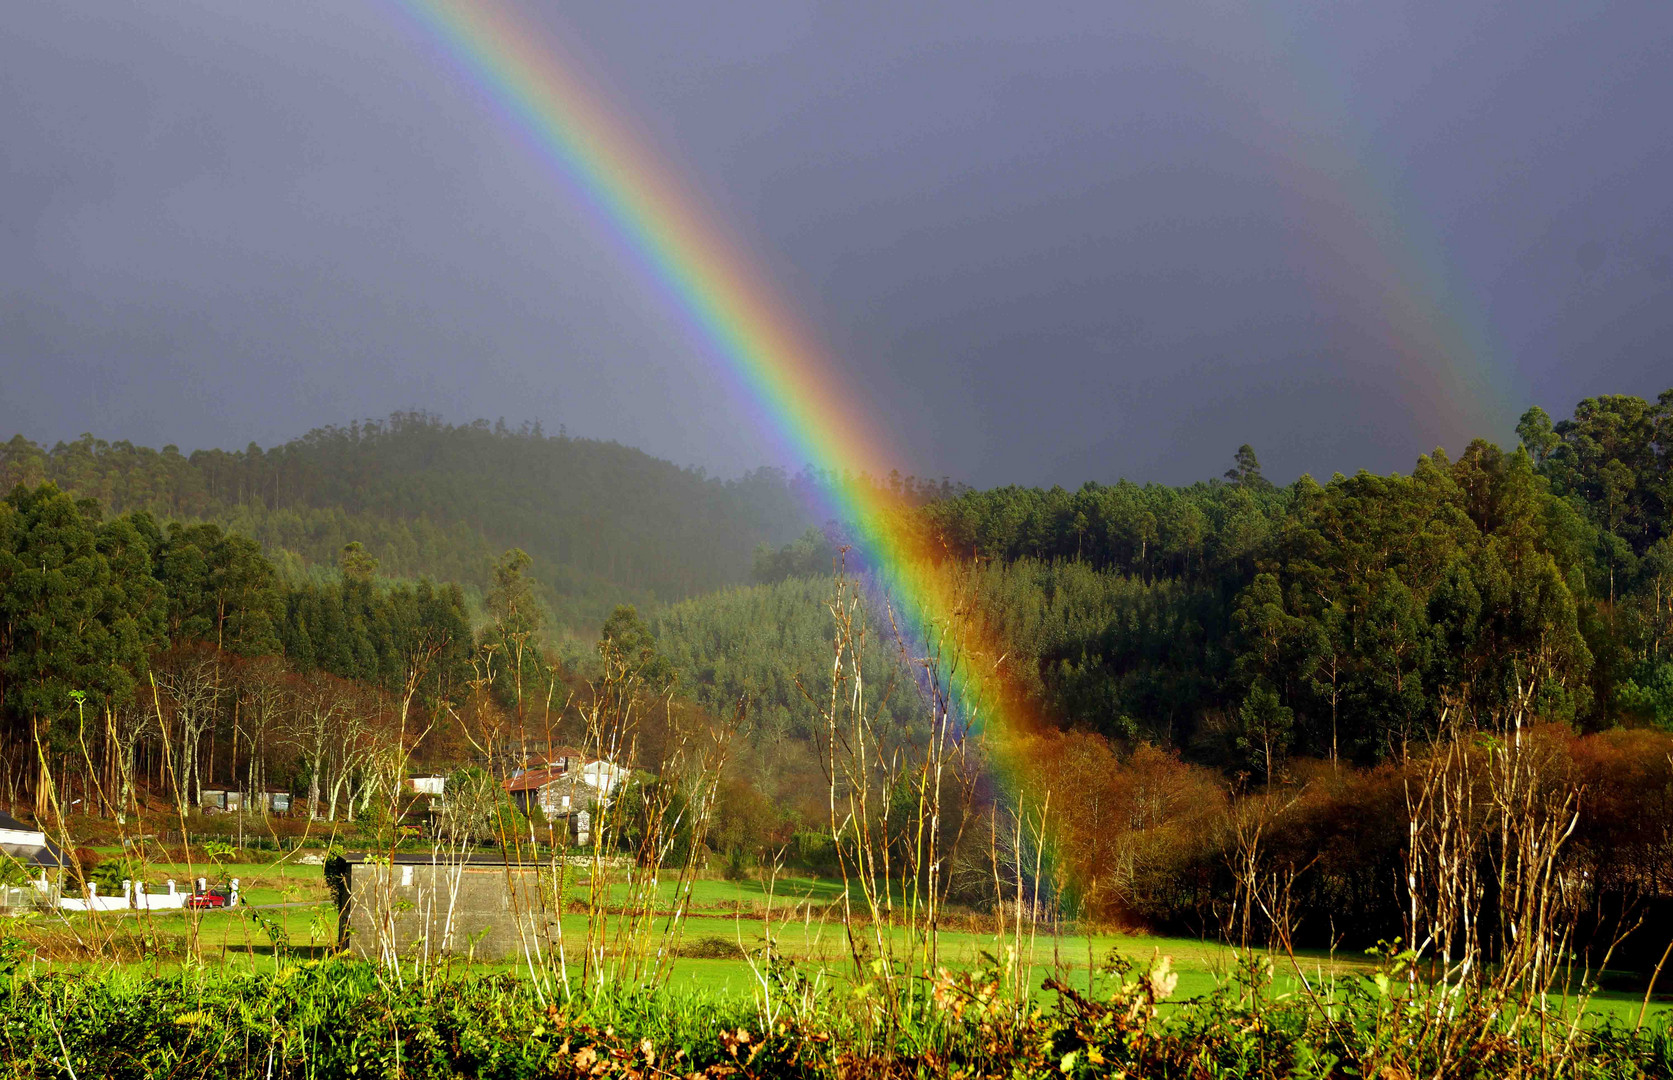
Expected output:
{"points": [[555, 755], [534, 779]]}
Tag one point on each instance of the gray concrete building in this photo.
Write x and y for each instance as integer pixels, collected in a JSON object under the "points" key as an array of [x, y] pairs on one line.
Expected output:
{"points": [[418, 905]]}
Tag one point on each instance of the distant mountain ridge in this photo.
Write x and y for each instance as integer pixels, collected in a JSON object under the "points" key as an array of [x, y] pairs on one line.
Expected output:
{"points": [[605, 523]]}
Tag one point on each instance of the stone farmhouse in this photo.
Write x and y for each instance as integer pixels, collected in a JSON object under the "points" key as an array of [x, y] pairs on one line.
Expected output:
{"points": [[564, 783]]}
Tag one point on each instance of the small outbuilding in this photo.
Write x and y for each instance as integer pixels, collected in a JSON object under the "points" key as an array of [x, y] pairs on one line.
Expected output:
{"points": [[483, 906]]}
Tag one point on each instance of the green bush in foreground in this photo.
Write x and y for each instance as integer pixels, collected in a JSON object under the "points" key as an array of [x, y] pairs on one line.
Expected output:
{"points": [[339, 1018]]}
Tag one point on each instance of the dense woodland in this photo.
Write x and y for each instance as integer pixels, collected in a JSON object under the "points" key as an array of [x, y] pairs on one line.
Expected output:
{"points": [[1241, 622], [1178, 644], [605, 523], [131, 651]]}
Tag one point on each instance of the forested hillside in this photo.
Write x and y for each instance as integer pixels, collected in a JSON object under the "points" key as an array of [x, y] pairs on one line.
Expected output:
{"points": [[771, 644], [1350, 616], [1244, 622], [129, 651], [605, 524], [1239, 622]]}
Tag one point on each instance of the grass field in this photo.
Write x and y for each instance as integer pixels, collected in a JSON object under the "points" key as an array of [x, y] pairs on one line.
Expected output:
{"points": [[805, 924]]}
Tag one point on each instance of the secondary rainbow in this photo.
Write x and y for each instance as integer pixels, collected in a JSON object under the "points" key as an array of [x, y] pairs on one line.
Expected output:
{"points": [[729, 308]]}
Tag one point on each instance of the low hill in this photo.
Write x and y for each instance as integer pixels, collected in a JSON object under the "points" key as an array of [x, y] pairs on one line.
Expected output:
{"points": [[604, 523]]}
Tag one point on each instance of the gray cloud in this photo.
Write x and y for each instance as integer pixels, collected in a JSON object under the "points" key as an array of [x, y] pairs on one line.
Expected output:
{"points": [[1040, 243]]}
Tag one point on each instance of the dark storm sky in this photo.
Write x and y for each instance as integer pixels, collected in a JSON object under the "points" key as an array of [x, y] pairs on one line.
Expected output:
{"points": [[1041, 242]]}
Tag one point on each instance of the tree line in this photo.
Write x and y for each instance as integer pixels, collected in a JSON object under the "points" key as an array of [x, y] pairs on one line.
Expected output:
{"points": [[1243, 622], [130, 649]]}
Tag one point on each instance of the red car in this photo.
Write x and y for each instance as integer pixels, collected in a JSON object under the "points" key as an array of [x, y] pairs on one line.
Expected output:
{"points": [[209, 899]]}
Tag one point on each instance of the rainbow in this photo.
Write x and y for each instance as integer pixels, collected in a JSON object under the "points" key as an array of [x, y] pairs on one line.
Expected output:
{"points": [[702, 275], [1443, 352], [1381, 256], [729, 308]]}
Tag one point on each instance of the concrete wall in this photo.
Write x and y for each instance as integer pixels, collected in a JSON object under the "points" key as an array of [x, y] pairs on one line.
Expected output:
{"points": [[415, 909]]}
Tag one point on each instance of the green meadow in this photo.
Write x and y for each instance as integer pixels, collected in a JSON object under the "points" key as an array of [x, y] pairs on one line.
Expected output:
{"points": [[722, 940]]}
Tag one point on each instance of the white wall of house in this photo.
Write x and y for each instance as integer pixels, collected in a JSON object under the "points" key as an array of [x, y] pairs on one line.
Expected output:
{"points": [[602, 775]]}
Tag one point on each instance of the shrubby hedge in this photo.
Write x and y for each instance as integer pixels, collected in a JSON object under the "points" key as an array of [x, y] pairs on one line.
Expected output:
{"points": [[336, 1018]]}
